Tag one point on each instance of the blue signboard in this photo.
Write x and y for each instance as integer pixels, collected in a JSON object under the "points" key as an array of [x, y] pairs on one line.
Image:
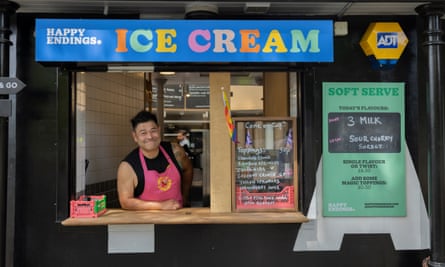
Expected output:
{"points": [[95, 40]]}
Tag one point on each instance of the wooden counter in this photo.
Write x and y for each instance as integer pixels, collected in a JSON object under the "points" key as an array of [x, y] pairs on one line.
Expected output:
{"points": [[186, 216]]}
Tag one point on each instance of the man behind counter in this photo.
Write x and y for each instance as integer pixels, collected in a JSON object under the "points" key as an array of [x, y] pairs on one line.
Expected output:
{"points": [[155, 175], [184, 141]]}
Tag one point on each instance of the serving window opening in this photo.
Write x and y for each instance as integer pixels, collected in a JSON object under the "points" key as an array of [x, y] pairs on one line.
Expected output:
{"points": [[106, 101]]}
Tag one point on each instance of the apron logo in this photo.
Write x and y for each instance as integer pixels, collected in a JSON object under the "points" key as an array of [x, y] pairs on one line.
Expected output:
{"points": [[387, 39], [164, 183]]}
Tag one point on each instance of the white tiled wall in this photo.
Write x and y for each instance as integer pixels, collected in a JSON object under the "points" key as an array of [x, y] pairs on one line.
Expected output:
{"points": [[105, 104]]}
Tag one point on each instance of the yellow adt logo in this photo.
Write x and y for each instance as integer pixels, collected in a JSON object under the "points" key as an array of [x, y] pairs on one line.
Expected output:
{"points": [[383, 43]]}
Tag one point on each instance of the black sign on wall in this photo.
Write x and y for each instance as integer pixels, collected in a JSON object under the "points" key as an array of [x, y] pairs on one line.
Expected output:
{"points": [[173, 96], [178, 97], [198, 97]]}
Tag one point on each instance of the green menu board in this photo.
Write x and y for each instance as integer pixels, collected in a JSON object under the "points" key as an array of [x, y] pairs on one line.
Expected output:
{"points": [[364, 149]]}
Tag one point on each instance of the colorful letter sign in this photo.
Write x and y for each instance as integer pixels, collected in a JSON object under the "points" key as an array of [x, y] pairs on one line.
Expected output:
{"points": [[364, 149], [384, 43], [94, 40]]}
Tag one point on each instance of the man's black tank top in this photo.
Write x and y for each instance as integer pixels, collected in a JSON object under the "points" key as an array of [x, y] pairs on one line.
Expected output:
{"points": [[158, 164]]}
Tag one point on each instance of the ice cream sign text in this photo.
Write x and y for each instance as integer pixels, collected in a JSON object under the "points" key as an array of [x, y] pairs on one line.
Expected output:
{"points": [[180, 41], [219, 41]]}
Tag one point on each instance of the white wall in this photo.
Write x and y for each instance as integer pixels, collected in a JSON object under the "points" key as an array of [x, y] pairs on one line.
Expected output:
{"points": [[105, 104], [246, 97]]}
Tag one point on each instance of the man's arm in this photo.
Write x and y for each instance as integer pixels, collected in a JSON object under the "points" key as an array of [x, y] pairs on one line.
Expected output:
{"points": [[187, 172], [126, 182]]}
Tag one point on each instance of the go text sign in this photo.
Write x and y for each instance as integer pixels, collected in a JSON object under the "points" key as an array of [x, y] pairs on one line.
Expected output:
{"points": [[10, 85], [95, 40]]}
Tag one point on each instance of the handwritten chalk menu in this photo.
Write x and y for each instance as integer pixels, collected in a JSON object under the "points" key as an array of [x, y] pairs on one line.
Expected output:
{"points": [[264, 167], [363, 158], [360, 132]]}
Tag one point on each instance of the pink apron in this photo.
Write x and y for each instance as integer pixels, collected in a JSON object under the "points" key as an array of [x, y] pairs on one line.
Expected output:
{"points": [[161, 186]]}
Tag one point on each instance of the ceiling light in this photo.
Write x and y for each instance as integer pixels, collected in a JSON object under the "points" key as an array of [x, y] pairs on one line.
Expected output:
{"points": [[167, 73]]}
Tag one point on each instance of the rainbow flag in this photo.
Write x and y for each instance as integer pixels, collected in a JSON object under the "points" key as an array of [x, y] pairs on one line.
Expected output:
{"points": [[249, 141], [228, 115], [289, 140]]}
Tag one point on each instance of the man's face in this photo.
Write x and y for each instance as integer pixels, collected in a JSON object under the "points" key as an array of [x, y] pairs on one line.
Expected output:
{"points": [[180, 136], [147, 135]]}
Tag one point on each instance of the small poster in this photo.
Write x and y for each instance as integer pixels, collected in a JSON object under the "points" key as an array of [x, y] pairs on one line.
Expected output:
{"points": [[364, 149], [265, 167]]}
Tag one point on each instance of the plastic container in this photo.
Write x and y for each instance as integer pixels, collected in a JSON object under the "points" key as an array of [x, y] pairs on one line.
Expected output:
{"points": [[88, 206]]}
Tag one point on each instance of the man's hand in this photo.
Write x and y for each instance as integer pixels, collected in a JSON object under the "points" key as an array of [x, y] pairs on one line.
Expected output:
{"points": [[170, 204]]}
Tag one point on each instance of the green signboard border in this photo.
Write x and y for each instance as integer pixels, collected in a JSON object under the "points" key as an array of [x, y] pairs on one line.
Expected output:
{"points": [[365, 173]]}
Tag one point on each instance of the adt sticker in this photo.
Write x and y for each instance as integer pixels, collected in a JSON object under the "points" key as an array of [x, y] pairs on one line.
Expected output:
{"points": [[387, 39]]}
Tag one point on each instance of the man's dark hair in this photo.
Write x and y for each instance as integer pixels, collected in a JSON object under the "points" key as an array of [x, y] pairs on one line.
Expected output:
{"points": [[183, 132], [143, 116]]}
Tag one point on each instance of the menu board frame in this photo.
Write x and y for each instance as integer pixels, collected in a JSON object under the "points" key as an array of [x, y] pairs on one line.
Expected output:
{"points": [[265, 164], [364, 172]]}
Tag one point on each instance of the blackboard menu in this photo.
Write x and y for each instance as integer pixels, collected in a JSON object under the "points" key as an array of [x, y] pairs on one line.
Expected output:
{"points": [[362, 132], [264, 167], [175, 97], [198, 97]]}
